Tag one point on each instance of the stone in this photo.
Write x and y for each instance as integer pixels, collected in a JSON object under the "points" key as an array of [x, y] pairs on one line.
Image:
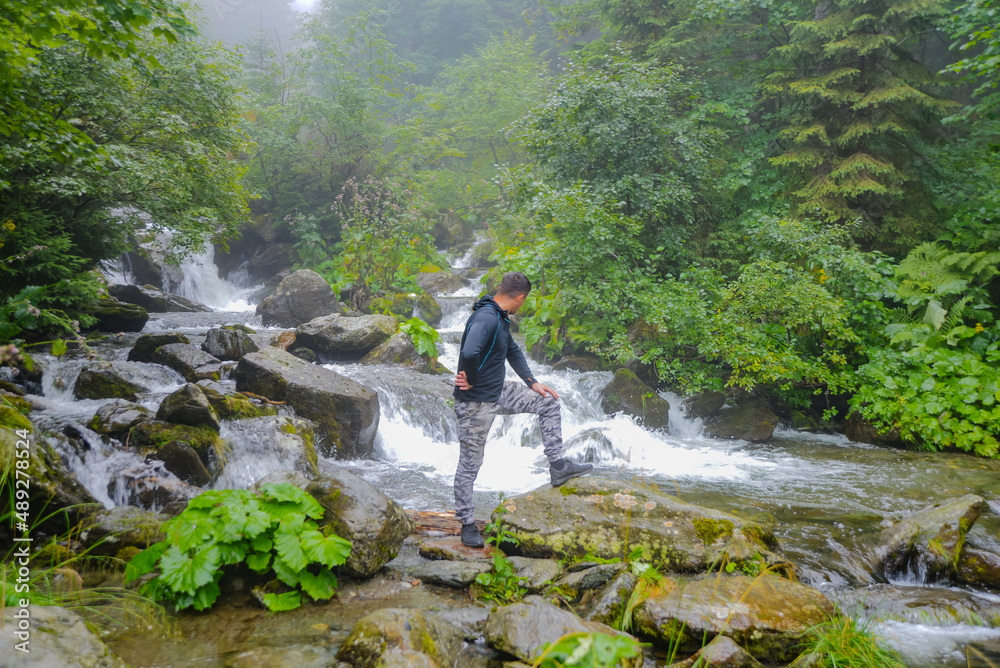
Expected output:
{"points": [[399, 350], [609, 604], [104, 381], [345, 338], [979, 569], [145, 345], [155, 300], [192, 363], [439, 282], [860, 430], [286, 441], [595, 516], [451, 231], [722, 652], [456, 574], [523, 629], [537, 574], [154, 434], [768, 615], [579, 362], [627, 394], [148, 487], [296, 478], [272, 259], [405, 629], [300, 297], [590, 445], [115, 316], [929, 542], [346, 413], [59, 638], [375, 524], [143, 269], [405, 658], [106, 532], [228, 343], [430, 310], [189, 406], [574, 584], [450, 548], [704, 405], [470, 620], [182, 460], [229, 405], [752, 422], [118, 416]]}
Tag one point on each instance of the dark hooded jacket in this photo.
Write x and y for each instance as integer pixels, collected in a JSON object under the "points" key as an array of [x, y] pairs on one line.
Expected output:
{"points": [[486, 344]]}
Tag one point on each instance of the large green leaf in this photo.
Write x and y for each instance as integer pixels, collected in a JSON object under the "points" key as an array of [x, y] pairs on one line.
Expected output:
{"points": [[320, 587], [289, 548], [144, 562], [280, 602], [186, 573], [328, 550], [935, 314]]}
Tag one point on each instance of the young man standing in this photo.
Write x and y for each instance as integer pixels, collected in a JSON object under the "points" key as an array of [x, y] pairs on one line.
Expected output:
{"points": [[481, 394]]}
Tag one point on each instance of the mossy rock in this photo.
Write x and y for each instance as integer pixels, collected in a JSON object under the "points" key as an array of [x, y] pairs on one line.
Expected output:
{"points": [[628, 394], [233, 405], [430, 310], [155, 434], [409, 630], [99, 382], [14, 412], [115, 316], [107, 532], [147, 344]]}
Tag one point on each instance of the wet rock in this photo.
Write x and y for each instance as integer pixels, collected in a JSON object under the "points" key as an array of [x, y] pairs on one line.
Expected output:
{"points": [[523, 629], [579, 362], [537, 574], [276, 339], [296, 478], [150, 487], [345, 338], [147, 344], [115, 316], [299, 655], [929, 541], [768, 615], [52, 486], [722, 652], [346, 413], [574, 584], [182, 460], [451, 231], [704, 405], [144, 270], [229, 405], [118, 416], [291, 439], [59, 638], [861, 430], [104, 381], [457, 574], [596, 516], [155, 434], [406, 658], [608, 605], [979, 569], [302, 296], [590, 445], [928, 606], [628, 394], [399, 350], [430, 310], [752, 422], [189, 406], [403, 629], [106, 532], [155, 300], [229, 343], [439, 282], [470, 621], [450, 548], [192, 363], [271, 259], [375, 524]]}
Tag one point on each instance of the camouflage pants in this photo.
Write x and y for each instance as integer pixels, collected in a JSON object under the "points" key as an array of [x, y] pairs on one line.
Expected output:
{"points": [[474, 421]]}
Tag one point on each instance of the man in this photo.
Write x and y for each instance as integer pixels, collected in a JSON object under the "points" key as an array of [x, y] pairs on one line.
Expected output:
{"points": [[481, 394]]}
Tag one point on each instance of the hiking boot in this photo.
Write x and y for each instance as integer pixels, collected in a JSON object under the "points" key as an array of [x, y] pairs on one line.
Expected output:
{"points": [[562, 470], [471, 536]]}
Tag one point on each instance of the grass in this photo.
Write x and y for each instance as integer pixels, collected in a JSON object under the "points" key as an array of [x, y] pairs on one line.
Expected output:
{"points": [[846, 642]]}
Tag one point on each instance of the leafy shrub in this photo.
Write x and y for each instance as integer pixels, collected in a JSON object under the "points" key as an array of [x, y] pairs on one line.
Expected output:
{"points": [[501, 584], [424, 336], [272, 531], [589, 650]]}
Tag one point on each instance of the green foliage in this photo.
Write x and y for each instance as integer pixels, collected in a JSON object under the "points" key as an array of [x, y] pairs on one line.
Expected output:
{"points": [[588, 650], [846, 642], [424, 336], [273, 531], [502, 584], [974, 27]]}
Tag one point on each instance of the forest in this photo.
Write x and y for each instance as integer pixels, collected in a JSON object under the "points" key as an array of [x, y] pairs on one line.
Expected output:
{"points": [[790, 198]]}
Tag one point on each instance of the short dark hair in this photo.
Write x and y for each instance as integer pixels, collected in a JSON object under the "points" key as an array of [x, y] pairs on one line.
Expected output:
{"points": [[514, 284]]}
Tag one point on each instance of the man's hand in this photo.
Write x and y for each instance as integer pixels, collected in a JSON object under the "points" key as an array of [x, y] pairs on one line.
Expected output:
{"points": [[462, 383], [545, 390]]}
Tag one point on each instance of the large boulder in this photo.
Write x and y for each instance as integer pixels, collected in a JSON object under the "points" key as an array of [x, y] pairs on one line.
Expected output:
{"points": [[609, 604], [375, 524], [59, 638], [229, 405], [144, 269], [271, 259], [979, 569], [721, 652], [147, 344], [399, 350], [430, 310], [345, 338], [154, 434], [346, 413], [104, 381], [523, 629], [148, 486], [752, 421], [628, 394], [929, 542], [190, 406], [767, 615], [154, 300], [704, 405], [439, 282], [270, 443], [302, 296], [404, 631], [192, 363], [860, 430], [450, 231], [182, 460], [229, 343], [118, 416], [596, 516], [107, 532], [456, 574], [115, 316]]}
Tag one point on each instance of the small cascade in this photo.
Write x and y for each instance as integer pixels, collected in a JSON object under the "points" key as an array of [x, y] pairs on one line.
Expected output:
{"points": [[254, 451], [198, 278]]}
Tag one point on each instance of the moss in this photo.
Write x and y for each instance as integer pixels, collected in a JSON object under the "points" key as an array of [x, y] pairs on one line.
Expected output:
{"points": [[567, 490], [11, 417], [240, 328], [155, 434], [710, 530], [428, 646], [757, 534]]}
